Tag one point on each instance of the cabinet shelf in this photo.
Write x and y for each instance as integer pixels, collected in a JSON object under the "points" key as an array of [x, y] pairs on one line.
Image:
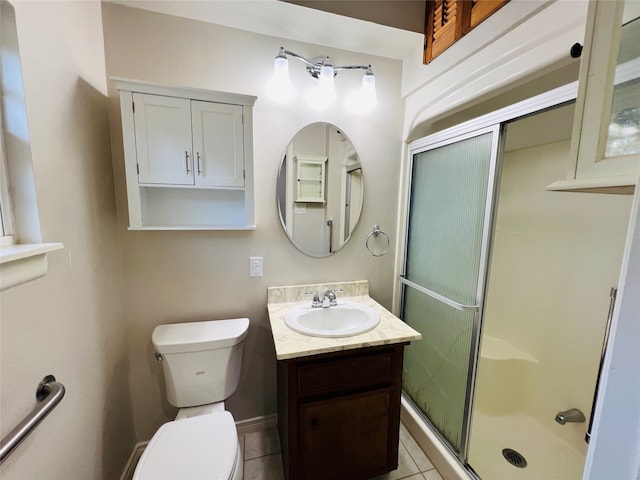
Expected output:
{"points": [[188, 227]]}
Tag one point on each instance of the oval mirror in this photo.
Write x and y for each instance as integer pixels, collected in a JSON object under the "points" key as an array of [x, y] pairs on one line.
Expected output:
{"points": [[320, 189]]}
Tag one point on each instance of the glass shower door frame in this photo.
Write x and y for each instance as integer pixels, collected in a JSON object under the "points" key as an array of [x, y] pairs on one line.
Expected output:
{"points": [[432, 142]]}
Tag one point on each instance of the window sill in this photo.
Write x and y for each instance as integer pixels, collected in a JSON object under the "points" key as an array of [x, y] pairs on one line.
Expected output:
{"points": [[23, 263]]}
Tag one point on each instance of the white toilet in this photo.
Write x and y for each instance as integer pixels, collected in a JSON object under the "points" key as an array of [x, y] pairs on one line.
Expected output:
{"points": [[201, 363]]}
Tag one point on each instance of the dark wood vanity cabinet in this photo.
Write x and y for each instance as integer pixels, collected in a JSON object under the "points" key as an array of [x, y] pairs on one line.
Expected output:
{"points": [[339, 413]]}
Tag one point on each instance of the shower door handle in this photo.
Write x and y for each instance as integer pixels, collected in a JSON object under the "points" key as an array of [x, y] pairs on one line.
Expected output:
{"points": [[440, 298], [613, 293]]}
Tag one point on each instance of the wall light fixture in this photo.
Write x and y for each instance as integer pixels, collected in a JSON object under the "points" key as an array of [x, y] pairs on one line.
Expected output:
{"points": [[321, 69]]}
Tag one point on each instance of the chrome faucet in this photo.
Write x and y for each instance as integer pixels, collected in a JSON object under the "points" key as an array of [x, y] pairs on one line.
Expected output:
{"points": [[571, 415], [329, 299]]}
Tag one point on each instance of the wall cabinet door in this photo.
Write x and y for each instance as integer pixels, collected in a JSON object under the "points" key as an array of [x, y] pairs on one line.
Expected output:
{"points": [[218, 144], [606, 132], [163, 139]]}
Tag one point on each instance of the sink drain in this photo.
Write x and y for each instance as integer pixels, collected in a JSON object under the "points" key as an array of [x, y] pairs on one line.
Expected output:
{"points": [[514, 458]]}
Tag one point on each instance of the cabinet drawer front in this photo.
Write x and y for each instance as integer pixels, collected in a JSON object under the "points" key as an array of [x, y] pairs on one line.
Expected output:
{"points": [[346, 373]]}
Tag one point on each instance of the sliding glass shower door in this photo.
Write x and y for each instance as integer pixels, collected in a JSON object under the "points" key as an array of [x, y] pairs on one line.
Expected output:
{"points": [[450, 206]]}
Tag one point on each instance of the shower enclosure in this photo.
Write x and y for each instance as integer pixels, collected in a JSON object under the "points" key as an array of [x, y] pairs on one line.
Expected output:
{"points": [[510, 286]]}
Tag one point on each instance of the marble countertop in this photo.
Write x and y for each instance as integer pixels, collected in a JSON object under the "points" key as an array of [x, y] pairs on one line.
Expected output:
{"points": [[290, 344]]}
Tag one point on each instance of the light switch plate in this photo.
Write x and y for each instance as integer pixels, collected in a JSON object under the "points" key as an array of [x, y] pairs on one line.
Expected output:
{"points": [[255, 266]]}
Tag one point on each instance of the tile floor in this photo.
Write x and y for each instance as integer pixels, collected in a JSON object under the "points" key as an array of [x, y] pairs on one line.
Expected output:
{"points": [[262, 458]]}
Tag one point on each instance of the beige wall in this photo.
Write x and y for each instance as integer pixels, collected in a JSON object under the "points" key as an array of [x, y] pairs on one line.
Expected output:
{"points": [[71, 322], [182, 276]]}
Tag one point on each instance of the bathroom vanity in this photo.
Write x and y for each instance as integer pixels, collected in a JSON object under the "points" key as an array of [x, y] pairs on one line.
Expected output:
{"points": [[338, 397]]}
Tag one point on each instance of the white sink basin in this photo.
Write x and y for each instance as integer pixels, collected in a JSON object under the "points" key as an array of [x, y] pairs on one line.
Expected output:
{"points": [[342, 320]]}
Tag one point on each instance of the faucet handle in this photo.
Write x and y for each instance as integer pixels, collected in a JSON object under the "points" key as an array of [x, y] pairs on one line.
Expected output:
{"points": [[315, 303]]}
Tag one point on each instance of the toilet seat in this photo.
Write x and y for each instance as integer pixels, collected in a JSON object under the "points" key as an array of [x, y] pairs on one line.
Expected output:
{"points": [[197, 448]]}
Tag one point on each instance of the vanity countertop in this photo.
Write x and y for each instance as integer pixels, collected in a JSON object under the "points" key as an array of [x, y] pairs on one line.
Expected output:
{"points": [[290, 344]]}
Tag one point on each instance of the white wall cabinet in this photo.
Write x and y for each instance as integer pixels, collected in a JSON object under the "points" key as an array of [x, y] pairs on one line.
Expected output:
{"points": [[606, 133], [311, 174], [188, 157]]}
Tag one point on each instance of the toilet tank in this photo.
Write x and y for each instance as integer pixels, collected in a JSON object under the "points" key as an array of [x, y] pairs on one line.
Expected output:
{"points": [[201, 360]]}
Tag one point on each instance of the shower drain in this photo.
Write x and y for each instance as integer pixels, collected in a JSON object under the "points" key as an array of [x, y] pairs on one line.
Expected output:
{"points": [[514, 458]]}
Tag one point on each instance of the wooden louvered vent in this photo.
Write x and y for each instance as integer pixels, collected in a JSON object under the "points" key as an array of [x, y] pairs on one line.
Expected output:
{"points": [[448, 20]]}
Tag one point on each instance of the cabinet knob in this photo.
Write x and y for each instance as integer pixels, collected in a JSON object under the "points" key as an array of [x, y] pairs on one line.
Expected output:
{"points": [[315, 424], [198, 159], [186, 161]]}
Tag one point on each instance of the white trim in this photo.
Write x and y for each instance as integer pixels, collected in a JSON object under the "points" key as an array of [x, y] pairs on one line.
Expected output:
{"points": [[6, 206], [257, 424], [21, 251], [445, 462], [130, 467], [189, 227], [22, 263], [125, 84], [614, 449], [552, 98], [534, 41], [623, 184]]}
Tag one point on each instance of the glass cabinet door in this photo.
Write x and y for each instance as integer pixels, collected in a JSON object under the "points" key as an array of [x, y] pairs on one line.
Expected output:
{"points": [[606, 137], [622, 132]]}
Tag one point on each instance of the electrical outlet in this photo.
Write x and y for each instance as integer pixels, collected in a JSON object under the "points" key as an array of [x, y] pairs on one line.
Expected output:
{"points": [[255, 266]]}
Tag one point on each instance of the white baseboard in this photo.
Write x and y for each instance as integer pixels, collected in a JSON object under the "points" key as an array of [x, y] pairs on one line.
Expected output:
{"points": [[130, 467], [444, 461], [257, 424]]}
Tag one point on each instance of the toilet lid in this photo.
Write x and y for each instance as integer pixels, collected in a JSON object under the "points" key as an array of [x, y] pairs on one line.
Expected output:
{"points": [[202, 447]]}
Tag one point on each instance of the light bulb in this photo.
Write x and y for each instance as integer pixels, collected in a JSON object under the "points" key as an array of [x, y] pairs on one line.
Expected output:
{"points": [[368, 91], [365, 99], [280, 88], [326, 85]]}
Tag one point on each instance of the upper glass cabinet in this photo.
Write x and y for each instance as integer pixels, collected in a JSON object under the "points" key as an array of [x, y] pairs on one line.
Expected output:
{"points": [[623, 131], [606, 134]]}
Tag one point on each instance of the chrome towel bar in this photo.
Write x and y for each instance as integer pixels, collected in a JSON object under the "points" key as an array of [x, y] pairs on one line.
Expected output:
{"points": [[48, 394]]}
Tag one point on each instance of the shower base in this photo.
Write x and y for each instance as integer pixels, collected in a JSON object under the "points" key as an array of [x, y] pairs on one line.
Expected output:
{"points": [[547, 455]]}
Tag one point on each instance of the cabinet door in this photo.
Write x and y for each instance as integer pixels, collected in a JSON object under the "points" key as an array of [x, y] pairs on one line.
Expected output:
{"points": [[218, 144], [607, 126], [346, 436], [163, 139]]}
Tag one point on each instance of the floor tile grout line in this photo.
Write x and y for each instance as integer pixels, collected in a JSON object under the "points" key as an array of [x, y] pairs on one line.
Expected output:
{"points": [[415, 461], [419, 471]]}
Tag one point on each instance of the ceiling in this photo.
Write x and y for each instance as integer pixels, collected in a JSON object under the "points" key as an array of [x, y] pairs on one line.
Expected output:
{"points": [[311, 25], [403, 14]]}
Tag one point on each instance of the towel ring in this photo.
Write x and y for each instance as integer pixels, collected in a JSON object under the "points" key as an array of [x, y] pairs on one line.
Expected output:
{"points": [[375, 233]]}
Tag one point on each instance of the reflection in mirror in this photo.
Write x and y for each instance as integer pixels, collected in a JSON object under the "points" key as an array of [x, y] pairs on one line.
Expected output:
{"points": [[624, 129], [320, 189]]}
